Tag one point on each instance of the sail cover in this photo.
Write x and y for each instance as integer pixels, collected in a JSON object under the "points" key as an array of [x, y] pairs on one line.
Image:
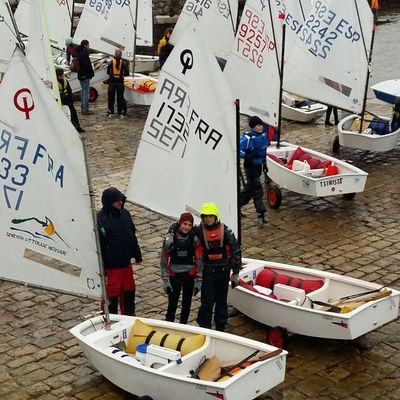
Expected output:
{"points": [[108, 25], [215, 20], [187, 153], [329, 61], [39, 52], [252, 68], [47, 236], [8, 36]]}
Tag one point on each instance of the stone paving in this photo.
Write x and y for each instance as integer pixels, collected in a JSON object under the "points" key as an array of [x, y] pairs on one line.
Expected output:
{"points": [[39, 359]]}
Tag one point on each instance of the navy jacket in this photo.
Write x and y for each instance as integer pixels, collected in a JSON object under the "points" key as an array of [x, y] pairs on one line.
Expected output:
{"points": [[85, 66], [117, 232]]}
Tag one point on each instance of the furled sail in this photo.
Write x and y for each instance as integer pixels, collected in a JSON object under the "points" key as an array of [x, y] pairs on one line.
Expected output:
{"points": [[215, 19], [187, 153], [252, 69], [329, 61], [47, 237]]}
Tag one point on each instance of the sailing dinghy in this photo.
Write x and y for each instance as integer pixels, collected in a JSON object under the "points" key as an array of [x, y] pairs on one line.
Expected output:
{"points": [[52, 246], [371, 133], [311, 302]]}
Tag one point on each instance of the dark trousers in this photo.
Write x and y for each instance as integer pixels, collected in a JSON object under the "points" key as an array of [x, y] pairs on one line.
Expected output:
{"points": [[126, 302], [74, 115], [180, 282], [214, 291], [119, 88], [253, 189], [329, 113]]}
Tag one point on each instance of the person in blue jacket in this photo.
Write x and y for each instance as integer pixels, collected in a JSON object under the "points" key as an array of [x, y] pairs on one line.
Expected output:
{"points": [[253, 149]]}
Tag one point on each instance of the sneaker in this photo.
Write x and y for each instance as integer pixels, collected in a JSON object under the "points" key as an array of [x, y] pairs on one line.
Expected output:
{"points": [[261, 220], [122, 116], [328, 124], [80, 130], [87, 112], [110, 115]]}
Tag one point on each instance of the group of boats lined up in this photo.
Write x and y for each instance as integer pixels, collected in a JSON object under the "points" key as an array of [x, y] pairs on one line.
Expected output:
{"points": [[55, 247]]}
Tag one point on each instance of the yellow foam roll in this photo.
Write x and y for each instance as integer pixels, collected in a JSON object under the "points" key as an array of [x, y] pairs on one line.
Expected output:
{"points": [[140, 333]]}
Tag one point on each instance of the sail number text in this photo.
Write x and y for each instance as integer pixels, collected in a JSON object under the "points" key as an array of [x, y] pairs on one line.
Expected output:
{"points": [[251, 40]]}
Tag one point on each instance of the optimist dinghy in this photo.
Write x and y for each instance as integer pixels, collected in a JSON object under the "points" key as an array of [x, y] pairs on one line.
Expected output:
{"points": [[310, 172], [251, 367], [298, 109], [376, 133], [311, 302]]}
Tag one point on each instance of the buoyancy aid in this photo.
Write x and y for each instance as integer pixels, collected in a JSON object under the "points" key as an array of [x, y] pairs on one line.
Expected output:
{"points": [[214, 251], [117, 68], [182, 251], [63, 87]]}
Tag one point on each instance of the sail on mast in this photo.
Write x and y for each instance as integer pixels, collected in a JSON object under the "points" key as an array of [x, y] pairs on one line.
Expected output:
{"points": [[215, 21], [107, 26], [8, 37], [189, 135], [329, 61], [144, 36], [252, 69], [47, 237]]}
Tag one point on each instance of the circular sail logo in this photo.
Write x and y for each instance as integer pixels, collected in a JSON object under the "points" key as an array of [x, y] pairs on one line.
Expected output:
{"points": [[23, 102]]}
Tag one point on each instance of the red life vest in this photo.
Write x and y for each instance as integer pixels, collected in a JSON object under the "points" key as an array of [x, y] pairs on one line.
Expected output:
{"points": [[214, 250]]}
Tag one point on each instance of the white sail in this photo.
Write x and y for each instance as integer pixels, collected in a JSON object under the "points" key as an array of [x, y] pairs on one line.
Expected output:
{"points": [[47, 236], [38, 50], [215, 19], [144, 35], [252, 68], [329, 60], [58, 19], [108, 25], [8, 36], [187, 154]]}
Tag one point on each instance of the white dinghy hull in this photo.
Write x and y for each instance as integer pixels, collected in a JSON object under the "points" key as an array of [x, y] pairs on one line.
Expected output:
{"points": [[133, 95], [349, 179], [304, 320], [173, 381], [365, 140], [145, 63], [303, 114], [100, 75]]}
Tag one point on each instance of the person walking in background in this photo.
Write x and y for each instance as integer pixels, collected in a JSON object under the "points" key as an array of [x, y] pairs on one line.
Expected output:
{"points": [[67, 98], [253, 148], [328, 116], [164, 48], [85, 74], [220, 255], [117, 69], [119, 245], [181, 266]]}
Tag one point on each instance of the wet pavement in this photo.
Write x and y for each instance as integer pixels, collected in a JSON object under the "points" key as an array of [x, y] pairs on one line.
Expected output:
{"points": [[39, 359]]}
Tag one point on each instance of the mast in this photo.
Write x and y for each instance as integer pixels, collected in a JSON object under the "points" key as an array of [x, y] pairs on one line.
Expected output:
{"points": [[17, 35], [135, 35], [369, 60], [96, 235], [238, 172]]}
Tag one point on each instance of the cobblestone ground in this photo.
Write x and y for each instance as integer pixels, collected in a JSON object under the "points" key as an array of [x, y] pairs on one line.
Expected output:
{"points": [[39, 359]]}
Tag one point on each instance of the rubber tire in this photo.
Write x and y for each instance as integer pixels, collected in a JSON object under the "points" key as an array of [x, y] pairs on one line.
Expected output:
{"points": [[274, 197], [336, 145], [349, 196], [144, 398], [277, 336], [93, 94]]}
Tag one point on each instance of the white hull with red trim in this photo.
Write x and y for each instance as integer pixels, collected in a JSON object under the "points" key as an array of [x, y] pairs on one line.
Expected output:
{"points": [[133, 89], [314, 320], [173, 380], [349, 179]]}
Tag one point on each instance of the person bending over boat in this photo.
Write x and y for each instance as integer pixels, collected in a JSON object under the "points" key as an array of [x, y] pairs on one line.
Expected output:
{"points": [[395, 124], [253, 148], [180, 267], [220, 255], [67, 98], [119, 245]]}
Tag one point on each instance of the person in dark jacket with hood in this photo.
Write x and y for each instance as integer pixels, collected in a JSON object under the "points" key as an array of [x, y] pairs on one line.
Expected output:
{"points": [[119, 245]]}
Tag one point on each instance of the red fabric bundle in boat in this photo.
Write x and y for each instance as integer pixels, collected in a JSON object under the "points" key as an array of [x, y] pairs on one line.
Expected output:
{"points": [[269, 278], [275, 158], [245, 285], [314, 163]]}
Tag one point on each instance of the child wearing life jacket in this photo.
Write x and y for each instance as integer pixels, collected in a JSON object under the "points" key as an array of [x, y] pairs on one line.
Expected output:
{"points": [[181, 267]]}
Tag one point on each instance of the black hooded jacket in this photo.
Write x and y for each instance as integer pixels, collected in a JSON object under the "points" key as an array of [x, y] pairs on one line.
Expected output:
{"points": [[117, 232]]}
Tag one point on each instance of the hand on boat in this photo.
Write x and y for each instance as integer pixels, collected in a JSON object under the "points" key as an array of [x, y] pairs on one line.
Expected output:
{"points": [[197, 286], [167, 286], [234, 280]]}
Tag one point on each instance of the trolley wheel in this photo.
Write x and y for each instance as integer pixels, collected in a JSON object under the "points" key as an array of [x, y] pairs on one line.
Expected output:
{"points": [[93, 94], [274, 197], [349, 196], [277, 336], [336, 145]]}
